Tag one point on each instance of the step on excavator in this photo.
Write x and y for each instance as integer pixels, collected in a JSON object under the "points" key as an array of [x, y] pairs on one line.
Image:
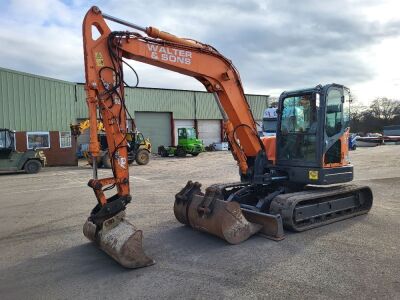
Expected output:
{"points": [[293, 180]]}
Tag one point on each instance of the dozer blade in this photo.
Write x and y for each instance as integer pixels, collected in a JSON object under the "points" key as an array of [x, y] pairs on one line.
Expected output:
{"points": [[119, 239], [221, 218]]}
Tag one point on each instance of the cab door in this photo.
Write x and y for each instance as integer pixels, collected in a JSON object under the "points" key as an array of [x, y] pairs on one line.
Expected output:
{"points": [[298, 131], [336, 127]]}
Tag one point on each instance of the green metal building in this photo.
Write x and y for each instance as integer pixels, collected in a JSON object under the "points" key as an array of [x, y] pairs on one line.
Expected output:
{"points": [[34, 104]]}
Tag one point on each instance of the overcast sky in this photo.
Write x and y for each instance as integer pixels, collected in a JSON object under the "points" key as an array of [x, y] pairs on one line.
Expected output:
{"points": [[276, 45]]}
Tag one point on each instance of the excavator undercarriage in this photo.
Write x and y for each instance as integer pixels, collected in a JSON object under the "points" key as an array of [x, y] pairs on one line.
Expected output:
{"points": [[236, 211]]}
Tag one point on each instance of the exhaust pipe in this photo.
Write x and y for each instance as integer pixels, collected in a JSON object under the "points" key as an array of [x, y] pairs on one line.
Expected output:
{"points": [[119, 239]]}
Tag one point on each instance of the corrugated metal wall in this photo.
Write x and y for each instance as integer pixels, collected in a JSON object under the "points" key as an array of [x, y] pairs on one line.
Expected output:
{"points": [[81, 111], [206, 107], [181, 103], [34, 103], [258, 103], [185, 105]]}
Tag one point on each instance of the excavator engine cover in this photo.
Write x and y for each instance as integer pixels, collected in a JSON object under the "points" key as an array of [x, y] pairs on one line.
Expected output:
{"points": [[211, 214], [119, 239]]}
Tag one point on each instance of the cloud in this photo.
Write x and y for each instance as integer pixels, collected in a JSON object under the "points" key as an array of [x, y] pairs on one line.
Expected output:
{"points": [[42, 39], [276, 45]]}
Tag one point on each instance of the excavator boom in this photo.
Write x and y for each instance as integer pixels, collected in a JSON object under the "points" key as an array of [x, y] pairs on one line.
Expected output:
{"points": [[104, 56]]}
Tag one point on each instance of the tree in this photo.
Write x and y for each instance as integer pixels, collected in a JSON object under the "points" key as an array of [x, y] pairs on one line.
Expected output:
{"points": [[358, 113], [385, 109], [380, 113]]}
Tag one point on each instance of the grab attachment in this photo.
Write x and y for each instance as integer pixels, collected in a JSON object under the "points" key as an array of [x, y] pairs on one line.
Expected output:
{"points": [[225, 219], [120, 239]]}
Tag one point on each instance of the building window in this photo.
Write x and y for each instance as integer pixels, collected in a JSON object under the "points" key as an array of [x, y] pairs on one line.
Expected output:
{"points": [[39, 140], [65, 139]]}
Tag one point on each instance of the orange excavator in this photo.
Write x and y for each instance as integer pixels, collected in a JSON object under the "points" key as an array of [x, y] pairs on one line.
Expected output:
{"points": [[285, 181]]}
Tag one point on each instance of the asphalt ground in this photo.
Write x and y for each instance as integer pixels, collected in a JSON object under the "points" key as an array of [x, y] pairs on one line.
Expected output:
{"points": [[44, 255]]}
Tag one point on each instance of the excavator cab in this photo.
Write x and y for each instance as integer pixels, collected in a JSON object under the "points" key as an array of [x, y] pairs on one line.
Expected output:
{"points": [[309, 153], [313, 131]]}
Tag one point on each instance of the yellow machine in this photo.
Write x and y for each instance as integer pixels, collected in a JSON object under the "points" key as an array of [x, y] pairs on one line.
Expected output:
{"points": [[139, 148]]}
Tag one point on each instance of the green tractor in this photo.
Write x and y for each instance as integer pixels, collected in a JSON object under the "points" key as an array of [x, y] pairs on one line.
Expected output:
{"points": [[188, 143], [30, 161]]}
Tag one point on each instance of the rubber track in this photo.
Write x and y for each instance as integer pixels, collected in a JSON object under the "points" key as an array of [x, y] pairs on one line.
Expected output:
{"points": [[285, 205]]}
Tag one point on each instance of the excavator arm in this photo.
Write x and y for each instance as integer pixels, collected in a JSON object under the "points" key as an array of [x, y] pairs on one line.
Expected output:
{"points": [[103, 60], [104, 55]]}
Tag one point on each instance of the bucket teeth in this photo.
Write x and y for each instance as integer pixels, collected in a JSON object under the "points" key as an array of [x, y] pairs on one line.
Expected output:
{"points": [[183, 199], [119, 239]]}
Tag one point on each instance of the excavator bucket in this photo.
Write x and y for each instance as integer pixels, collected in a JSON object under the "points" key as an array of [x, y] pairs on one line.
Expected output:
{"points": [[119, 239], [227, 220]]}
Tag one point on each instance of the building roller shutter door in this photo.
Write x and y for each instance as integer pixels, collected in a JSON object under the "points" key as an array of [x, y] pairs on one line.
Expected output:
{"points": [[156, 126], [209, 131]]}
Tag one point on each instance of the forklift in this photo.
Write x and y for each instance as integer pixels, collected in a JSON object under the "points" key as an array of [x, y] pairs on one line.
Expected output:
{"points": [[31, 161]]}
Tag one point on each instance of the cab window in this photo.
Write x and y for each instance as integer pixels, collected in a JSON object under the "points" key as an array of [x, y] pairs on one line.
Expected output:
{"points": [[333, 124], [140, 138], [346, 109], [191, 133], [182, 133], [299, 115], [5, 139], [2, 139], [298, 128]]}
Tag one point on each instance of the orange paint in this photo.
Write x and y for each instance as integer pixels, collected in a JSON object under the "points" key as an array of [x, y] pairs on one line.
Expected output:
{"points": [[270, 147], [170, 52], [344, 152]]}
